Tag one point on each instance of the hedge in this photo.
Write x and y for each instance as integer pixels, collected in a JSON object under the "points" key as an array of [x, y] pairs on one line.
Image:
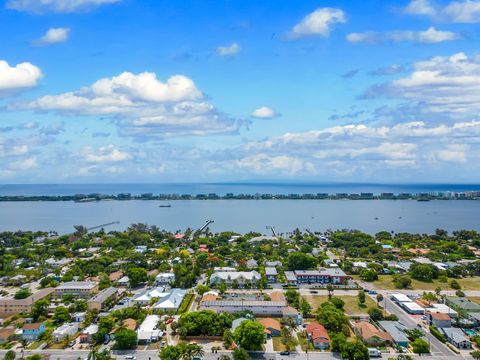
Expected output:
{"points": [[185, 305], [434, 331]]}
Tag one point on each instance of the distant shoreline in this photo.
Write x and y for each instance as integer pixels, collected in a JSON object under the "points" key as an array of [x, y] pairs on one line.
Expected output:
{"points": [[84, 198]]}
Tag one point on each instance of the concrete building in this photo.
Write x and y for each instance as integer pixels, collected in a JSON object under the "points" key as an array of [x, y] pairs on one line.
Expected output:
{"points": [[318, 336], [412, 308], [230, 277], [148, 332], [456, 337], [99, 301], [271, 274], [442, 308], [65, 330], [397, 331], [267, 308], [83, 289], [323, 276], [290, 278], [10, 306]]}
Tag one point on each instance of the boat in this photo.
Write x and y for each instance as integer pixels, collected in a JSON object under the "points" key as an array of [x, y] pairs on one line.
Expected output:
{"points": [[165, 206]]}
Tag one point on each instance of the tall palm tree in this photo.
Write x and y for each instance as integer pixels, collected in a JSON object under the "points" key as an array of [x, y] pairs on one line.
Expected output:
{"points": [[92, 355]]}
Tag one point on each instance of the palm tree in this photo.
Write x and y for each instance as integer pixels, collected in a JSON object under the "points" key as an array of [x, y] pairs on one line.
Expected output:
{"points": [[330, 290], [92, 355]]}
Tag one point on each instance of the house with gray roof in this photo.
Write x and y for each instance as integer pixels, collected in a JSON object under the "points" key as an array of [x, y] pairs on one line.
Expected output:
{"points": [[397, 331], [456, 337]]}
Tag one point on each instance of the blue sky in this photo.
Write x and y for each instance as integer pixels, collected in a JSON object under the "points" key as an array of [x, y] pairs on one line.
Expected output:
{"points": [[175, 91]]}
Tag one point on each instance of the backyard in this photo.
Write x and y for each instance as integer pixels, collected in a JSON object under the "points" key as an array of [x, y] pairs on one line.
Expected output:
{"points": [[351, 303]]}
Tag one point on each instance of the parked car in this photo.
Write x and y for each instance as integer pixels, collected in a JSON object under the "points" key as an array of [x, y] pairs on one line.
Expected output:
{"points": [[372, 292], [314, 291], [285, 353], [130, 357]]}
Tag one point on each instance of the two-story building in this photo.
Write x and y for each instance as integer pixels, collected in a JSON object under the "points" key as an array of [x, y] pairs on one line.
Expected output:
{"points": [[31, 332]]}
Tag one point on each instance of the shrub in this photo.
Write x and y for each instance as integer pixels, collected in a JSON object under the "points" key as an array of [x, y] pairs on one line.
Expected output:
{"points": [[434, 331]]}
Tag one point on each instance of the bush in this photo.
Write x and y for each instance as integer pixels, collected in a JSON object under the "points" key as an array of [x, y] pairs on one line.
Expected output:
{"points": [[454, 284], [434, 331], [185, 305]]}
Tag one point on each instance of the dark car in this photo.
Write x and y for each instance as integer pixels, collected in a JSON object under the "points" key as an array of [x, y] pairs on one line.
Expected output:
{"points": [[285, 353]]}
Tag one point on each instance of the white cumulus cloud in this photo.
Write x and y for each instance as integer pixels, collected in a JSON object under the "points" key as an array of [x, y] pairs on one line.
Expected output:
{"points": [[230, 50], [56, 6], [319, 23], [457, 11], [19, 77], [105, 154], [53, 36], [264, 112], [429, 36]]}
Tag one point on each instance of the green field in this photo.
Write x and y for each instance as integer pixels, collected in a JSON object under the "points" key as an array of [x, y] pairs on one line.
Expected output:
{"points": [[351, 303], [385, 282]]}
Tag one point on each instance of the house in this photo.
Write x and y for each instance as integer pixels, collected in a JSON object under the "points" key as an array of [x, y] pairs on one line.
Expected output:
{"points": [[456, 337], [272, 326], [148, 332], [83, 289], [31, 332], [263, 238], [257, 307], [271, 274], [140, 249], [462, 305], [171, 301], [115, 276], [79, 316], [289, 312], [442, 308], [439, 320], [64, 331], [370, 334], [318, 336], [124, 281], [273, 263], [5, 334], [86, 337], [101, 300], [252, 264], [397, 331], [231, 277], [10, 306], [165, 278]]}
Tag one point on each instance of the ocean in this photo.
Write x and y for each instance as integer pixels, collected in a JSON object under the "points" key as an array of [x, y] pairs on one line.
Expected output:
{"points": [[242, 215]]}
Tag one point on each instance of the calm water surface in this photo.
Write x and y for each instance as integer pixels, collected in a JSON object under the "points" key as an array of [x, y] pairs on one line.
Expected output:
{"points": [[246, 215]]}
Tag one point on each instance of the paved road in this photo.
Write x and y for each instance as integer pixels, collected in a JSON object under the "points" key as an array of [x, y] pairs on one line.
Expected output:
{"points": [[437, 348]]}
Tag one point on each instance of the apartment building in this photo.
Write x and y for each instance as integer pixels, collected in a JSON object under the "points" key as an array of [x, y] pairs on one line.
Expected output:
{"points": [[83, 289]]}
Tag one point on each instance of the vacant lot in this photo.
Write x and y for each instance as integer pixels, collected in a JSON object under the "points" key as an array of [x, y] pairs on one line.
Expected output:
{"points": [[385, 282], [351, 303]]}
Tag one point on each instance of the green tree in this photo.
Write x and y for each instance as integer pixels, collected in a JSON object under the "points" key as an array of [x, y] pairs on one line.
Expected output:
{"points": [[475, 354], [293, 298], [61, 315], [455, 285], [249, 335], [331, 318], [125, 339], [422, 272], [402, 282], [339, 303], [354, 351], [375, 314], [337, 342], [379, 298], [361, 297], [136, 276], [420, 346], [368, 275], [22, 294], [414, 334], [202, 289], [305, 307], [10, 355], [330, 289], [104, 281], [240, 354], [40, 309], [301, 261]]}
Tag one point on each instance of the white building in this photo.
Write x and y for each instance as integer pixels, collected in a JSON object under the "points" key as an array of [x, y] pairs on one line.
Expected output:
{"points": [[148, 332], [442, 309], [270, 308], [229, 277], [165, 278], [64, 330], [171, 301]]}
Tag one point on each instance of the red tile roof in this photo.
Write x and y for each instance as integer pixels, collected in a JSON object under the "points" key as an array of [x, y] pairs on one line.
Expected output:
{"points": [[317, 333]]}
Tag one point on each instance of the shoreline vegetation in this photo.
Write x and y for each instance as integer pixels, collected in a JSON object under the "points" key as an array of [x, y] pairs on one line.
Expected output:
{"points": [[468, 195]]}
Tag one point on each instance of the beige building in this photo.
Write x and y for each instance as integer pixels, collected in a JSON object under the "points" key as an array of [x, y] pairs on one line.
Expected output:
{"points": [[83, 289], [98, 302], [9, 306]]}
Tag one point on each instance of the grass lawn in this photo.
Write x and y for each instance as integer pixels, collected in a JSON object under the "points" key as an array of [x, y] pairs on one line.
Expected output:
{"points": [[385, 282], [351, 303], [475, 299], [277, 343]]}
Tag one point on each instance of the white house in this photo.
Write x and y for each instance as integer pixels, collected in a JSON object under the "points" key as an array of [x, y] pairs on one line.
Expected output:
{"points": [[165, 278], [148, 332], [229, 277], [64, 330]]}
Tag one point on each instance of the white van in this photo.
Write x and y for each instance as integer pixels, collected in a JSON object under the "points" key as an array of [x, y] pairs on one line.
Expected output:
{"points": [[374, 353]]}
